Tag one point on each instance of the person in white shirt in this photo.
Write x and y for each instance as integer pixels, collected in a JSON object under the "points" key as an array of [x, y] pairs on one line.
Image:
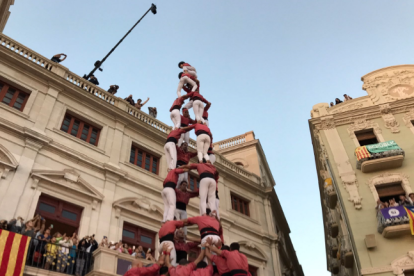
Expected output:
{"points": [[65, 245]]}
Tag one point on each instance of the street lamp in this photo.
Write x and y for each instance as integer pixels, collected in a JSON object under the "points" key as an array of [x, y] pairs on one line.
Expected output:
{"points": [[98, 63]]}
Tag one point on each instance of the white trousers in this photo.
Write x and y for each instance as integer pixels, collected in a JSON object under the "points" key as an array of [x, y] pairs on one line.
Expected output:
{"points": [[216, 240], [182, 177], [176, 118], [212, 158], [171, 155], [188, 105], [169, 198], [181, 214], [198, 108], [173, 254], [206, 121], [207, 191], [185, 137], [203, 143]]}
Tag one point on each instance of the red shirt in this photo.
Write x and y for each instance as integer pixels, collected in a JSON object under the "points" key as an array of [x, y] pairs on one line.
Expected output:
{"points": [[197, 95], [176, 133], [185, 121], [182, 270], [172, 176], [178, 102], [204, 222], [200, 127], [184, 156], [185, 246], [235, 260], [221, 264], [204, 168], [184, 197], [169, 227], [208, 271], [187, 75], [143, 271]]}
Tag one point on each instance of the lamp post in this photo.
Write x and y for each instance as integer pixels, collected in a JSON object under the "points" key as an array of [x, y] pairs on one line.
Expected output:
{"points": [[98, 63]]}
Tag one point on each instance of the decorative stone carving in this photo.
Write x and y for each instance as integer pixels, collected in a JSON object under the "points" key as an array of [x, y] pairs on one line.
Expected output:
{"points": [[387, 178], [327, 123], [351, 186], [403, 263], [408, 118], [7, 162], [389, 119], [348, 107]]}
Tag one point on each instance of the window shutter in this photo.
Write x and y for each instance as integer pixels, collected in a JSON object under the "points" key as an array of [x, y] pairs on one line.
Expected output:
{"points": [[390, 190]]}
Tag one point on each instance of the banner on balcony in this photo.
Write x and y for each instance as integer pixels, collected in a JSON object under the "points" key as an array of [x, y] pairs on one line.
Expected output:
{"points": [[384, 146], [394, 212], [13, 251], [410, 213]]}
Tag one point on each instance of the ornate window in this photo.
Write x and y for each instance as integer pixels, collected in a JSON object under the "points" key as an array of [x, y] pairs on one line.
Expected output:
{"points": [[193, 182], [366, 137], [389, 185], [135, 235], [12, 96], [80, 129], [240, 205], [145, 160]]}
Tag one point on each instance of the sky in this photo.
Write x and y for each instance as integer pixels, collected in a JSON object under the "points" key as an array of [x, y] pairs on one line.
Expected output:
{"points": [[262, 64]]}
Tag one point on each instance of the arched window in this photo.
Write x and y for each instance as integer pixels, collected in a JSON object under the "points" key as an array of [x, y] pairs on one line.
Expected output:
{"points": [[240, 164]]}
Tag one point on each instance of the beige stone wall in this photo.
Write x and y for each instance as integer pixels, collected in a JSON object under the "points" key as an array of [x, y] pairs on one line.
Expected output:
{"points": [[37, 158]]}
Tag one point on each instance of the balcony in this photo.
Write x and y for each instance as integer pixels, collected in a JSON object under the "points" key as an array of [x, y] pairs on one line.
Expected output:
{"points": [[331, 197], [380, 156], [334, 265], [395, 226]]}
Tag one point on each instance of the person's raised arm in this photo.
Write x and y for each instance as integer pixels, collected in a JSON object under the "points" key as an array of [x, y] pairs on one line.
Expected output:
{"points": [[145, 102], [168, 259], [188, 128], [216, 250], [207, 106], [192, 83], [64, 57], [201, 255], [180, 86], [184, 167]]}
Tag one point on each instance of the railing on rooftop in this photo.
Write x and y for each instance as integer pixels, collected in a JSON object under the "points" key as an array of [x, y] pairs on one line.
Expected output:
{"points": [[80, 82]]}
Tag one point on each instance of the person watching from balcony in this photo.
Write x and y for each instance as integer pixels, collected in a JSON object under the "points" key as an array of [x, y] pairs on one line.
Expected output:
{"points": [[15, 225], [331, 104], [347, 98], [149, 256], [404, 201], [411, 198], [152, 111], [83, 245], [129, 250], [130, 100], [72, 255], [113, 89], [93, 80], [139, 252], [140, 104], [139, 270], [51, 250], [393, 203], [57, 58], [337, 101], [63, 253], [3, 224]]}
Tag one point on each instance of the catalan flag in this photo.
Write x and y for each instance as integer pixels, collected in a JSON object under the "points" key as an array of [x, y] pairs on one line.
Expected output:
{"points": [[362, 152], [410, 214], [13, 251]]}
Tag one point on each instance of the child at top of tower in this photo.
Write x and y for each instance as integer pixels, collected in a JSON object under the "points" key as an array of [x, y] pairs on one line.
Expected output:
{"points": [[188, 69]]}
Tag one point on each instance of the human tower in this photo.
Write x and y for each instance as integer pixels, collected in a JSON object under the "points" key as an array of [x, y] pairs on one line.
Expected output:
{"points": [[174, 247]]}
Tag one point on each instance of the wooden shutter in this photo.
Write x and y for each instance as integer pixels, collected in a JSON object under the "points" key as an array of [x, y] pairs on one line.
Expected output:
{"points": [[393, 189]]}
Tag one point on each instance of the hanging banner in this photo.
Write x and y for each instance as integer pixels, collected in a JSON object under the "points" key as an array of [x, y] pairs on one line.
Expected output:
{"points": [[394, 212], [384, 146]]}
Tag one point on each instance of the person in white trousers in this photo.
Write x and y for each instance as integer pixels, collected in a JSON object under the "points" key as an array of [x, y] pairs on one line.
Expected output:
{"points": [[210, 152], [168, 193], [175, 111], [166, 236], [170, 149], [184, 79], [183, 197], [198, 105], [185, 121], [183, 158], [207, 189], [187, 68], [203, 139]]}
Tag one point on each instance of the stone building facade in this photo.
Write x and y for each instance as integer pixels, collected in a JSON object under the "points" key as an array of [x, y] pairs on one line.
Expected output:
{"points": [[360, 238], [91, 163]]}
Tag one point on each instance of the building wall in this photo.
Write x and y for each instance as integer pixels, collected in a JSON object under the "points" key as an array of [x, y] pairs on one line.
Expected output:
{"points": [[37, 158]]}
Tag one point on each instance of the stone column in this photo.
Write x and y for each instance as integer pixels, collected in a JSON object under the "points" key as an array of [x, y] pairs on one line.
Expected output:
{"points": [[46, 110], [105, 214], [117, 143], [277, 267], [12, 197], [269, 217]]}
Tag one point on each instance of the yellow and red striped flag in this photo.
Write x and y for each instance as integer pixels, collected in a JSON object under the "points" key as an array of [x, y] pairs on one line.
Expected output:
{"points": [[13, 251], [362, 152], [410, 214]]}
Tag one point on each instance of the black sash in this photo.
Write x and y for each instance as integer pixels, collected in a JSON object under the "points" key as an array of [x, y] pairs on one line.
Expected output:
{"points": [[205, 118], [226, 274], [195, 98], [170, 185], [181, 255], [181, 206], [171, 139], [206, 175], [208, 231], [183, 125], [168, 237], [181, 163], [202, 132], [175, 107], [238, 272]]}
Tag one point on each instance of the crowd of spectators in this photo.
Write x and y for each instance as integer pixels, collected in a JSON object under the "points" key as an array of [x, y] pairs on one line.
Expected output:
{"points": [[135, 251], [403, 201], [338, 101]]}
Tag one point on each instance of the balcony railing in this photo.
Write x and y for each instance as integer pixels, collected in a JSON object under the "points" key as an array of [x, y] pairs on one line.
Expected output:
{"points": [[43, 256], [380, 156], [392, 223]]}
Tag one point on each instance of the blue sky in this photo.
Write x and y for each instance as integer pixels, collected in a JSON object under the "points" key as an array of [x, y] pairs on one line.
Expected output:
{"points": [[262, 64]]}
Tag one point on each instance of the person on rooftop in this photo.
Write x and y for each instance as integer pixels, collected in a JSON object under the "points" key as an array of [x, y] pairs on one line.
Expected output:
{"points": [[57, 58], [93, 80], [337, 101], [140, 104], [347, 98], [130, 100], [152, 111], [113, 89]]}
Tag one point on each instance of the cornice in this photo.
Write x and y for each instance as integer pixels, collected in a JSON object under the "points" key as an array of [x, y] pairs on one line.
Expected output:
{"points": [[238, 147]]}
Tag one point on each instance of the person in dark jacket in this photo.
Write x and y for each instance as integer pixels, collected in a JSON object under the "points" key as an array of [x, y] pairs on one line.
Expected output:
{"points": [[82, 255]]}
